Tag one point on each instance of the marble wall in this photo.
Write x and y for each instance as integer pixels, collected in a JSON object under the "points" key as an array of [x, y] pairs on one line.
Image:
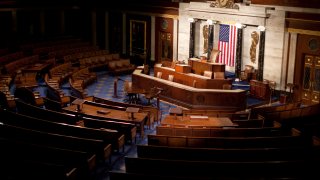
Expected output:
{"points": [[251, 17]]}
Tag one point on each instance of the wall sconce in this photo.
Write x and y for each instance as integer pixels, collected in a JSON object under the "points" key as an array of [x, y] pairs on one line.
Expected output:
{"points": [[191, 20], [261, 28], [211, 22], [240, 26]]}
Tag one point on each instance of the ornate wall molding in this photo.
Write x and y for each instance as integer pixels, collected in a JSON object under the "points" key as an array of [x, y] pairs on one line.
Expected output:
{"points": [[229, 4]]}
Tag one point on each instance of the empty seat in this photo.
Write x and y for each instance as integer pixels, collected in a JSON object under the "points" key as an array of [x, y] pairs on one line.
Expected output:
{"points": [[170, 77], [218, 75], [159, 74], [207, 74]]}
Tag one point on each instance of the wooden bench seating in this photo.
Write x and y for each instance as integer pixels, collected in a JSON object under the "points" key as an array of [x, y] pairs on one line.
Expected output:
{"points": [[52, 104], [85, 76], [221, 170], [252, 123], [120, 66], [84, 47], [41, 113], [154, 114], [29, 96], [82, 161], [265, 109], [92, 146], [77, 90], [109, 136], [295, 117], [232, 114], [228, 142], [15, 66], [220, 132], [121, 117], [227, 155], [5, 59], [120, 175], [128, 129], [61, 72], [35, 170], [54, 92]]}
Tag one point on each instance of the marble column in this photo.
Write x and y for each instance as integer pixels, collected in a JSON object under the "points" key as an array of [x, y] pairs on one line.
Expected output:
{"points": [[210, 40], [175, 40], [153, 38], [261, 55], [192, 37], [239, 53]]}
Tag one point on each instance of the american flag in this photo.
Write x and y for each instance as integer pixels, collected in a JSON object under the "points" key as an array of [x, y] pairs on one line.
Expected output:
{"points": [[227, 44]]}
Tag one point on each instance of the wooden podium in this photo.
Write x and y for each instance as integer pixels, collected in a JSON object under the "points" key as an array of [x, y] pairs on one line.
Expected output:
{"points": [[198, 67], [259, 89]]}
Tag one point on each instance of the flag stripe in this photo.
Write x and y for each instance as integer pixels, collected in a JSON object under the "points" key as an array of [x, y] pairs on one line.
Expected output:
{"points": [[227, 44]]}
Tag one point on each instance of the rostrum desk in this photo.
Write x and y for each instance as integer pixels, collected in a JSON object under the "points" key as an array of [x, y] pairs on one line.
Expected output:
{"points": [[190, 97]]}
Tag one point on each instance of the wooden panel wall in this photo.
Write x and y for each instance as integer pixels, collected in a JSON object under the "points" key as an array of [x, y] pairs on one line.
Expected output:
{"points": [[302, 50], [164, 25], [295, 3]]}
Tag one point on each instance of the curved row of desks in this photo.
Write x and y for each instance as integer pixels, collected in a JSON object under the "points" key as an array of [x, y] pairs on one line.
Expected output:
{"points": [[190, 97]]}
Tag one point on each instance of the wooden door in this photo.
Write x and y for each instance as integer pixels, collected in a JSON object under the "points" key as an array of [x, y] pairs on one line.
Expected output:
{"points": [[311, 79], [165, 46]]}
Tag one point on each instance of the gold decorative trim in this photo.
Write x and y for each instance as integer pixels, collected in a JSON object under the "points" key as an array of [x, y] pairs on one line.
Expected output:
{"points": [[229, 4], [303, 31]]}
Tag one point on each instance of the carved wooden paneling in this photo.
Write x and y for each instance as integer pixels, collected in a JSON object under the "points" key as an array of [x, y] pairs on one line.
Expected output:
{"points": [[295, 3], [304, 46]]}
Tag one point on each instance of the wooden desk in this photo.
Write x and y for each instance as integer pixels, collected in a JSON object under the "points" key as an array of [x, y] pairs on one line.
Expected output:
{"points": [[189, 78], [198, 67], [133, 94], [190, 97], [175, 112], [110, 114], [36, 69], [182, 68], [188, 122], [259, 89]]}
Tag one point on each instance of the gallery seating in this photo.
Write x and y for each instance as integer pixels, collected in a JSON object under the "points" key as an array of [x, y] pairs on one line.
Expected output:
{"points": [[109, 136], [82, 163], [120, 66]]}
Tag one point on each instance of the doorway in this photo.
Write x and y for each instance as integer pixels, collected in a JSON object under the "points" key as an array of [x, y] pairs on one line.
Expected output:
{"points": [[165, 46], [311, 80]]}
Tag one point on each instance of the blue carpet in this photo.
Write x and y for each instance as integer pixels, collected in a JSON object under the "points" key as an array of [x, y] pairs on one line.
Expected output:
{"points": [[104, 88], [229, 74]]}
